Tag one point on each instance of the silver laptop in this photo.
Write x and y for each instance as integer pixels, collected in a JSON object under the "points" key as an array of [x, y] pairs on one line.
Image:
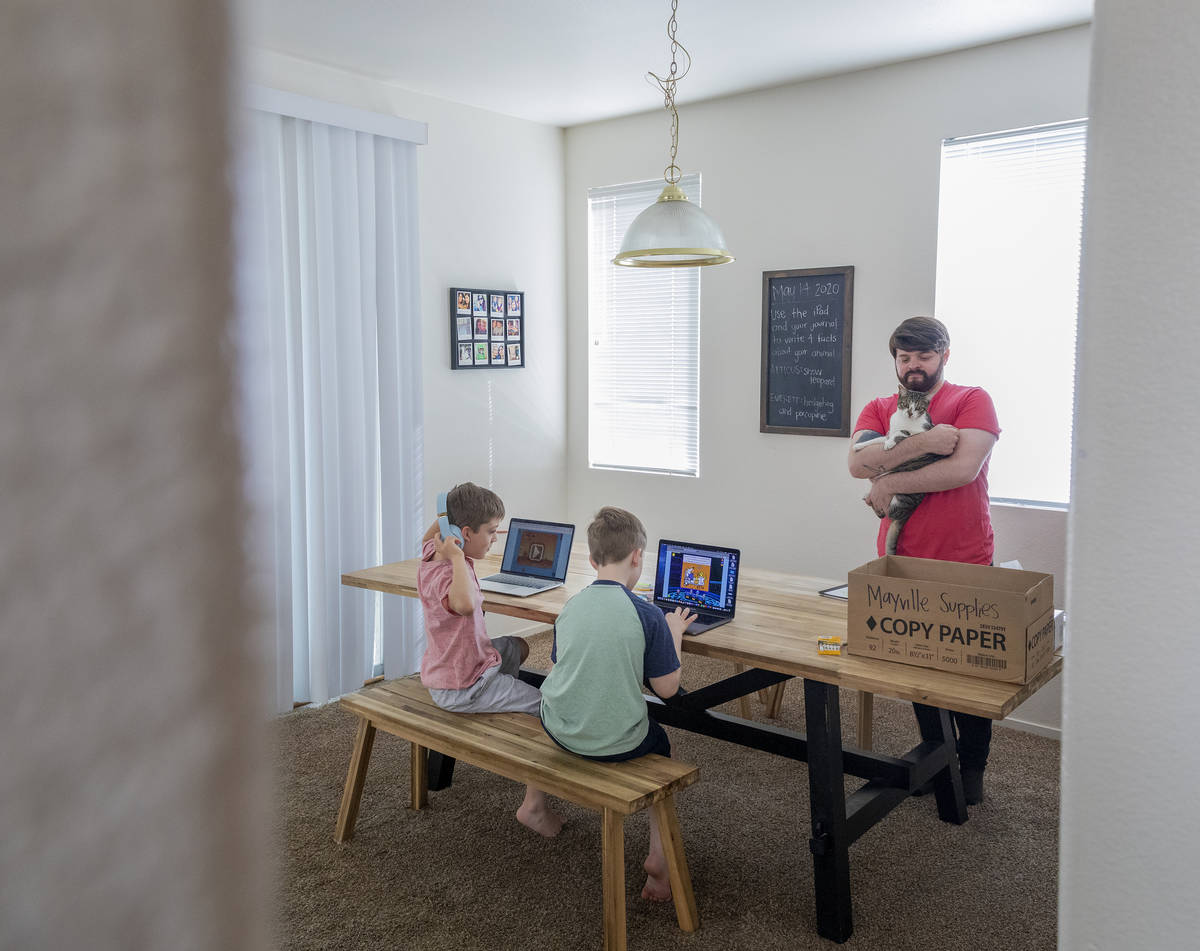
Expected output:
{"points": [[535, 558]]}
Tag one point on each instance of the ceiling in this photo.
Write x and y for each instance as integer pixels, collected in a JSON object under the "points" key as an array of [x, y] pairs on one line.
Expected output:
{"points": [[565, 62]]}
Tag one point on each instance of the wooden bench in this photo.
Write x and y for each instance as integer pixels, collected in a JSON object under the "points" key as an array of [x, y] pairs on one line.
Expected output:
{"points": [[515, 745]]}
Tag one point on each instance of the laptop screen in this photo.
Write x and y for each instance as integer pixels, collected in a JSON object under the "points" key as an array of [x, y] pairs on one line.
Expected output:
{"points": [[537, 549], [701, 577]]}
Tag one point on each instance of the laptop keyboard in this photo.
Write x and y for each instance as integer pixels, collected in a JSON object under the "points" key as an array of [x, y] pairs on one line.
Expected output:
{"points": [[519, 581]]}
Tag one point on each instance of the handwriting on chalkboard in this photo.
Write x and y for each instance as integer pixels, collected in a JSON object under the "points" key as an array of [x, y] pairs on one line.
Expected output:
{"points": [[806, 351]]}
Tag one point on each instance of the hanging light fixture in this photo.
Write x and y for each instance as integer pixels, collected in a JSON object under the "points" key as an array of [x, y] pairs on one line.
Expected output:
{"points": [[673, 232]]}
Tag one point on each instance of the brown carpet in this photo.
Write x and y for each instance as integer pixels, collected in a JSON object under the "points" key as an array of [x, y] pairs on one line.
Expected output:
{"points": [[463, 874]]}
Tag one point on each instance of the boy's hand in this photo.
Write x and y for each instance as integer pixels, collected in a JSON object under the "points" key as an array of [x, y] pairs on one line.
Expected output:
{"points": [[451, 548], [679, 619]]}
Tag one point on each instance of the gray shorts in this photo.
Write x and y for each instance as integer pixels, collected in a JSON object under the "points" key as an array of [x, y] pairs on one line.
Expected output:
{"points": [[497, 690]]}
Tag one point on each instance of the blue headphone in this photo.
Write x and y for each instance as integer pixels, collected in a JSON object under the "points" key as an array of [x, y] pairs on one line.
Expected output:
{"points": [[444, 525]]}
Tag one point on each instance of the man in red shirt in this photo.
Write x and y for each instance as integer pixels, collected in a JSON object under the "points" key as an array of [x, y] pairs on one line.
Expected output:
{"points": [[953, 522]]}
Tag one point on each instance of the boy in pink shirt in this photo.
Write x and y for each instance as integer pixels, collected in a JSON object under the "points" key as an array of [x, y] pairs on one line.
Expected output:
{"points": [[464, 669]]}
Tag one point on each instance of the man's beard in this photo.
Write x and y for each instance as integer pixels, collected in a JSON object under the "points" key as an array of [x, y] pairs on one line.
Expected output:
{"points": [[919, 382]]}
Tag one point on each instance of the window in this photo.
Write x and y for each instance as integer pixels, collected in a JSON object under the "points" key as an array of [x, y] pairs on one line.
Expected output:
{"points": [[1009, 222], [643, 345]]}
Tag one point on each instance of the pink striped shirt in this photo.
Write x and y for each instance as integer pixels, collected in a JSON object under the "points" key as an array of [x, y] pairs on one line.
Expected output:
{"points": [[457, 649]]}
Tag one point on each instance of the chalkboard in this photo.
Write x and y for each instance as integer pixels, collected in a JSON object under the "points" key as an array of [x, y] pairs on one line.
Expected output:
{"points": [[806, 351]]}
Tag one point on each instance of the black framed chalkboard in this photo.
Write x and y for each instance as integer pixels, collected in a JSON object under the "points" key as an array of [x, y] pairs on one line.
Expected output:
{"points": [[807, 317]]}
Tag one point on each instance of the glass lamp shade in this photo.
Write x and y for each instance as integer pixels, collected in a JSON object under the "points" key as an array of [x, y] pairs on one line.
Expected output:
{"points": [[673, 233]]}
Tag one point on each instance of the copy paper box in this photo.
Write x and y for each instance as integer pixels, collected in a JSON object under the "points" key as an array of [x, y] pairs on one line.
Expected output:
{"points": [[988, 622]]}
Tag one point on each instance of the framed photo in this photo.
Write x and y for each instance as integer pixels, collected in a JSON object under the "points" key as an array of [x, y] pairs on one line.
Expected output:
{"points": [[487, 328]]}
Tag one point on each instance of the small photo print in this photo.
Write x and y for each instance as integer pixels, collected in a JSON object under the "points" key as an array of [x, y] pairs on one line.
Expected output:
{"points": [[480, 306], [514, 354], [466, 354], [464, 302], [514, 305], [498, 354], [481, 354], [463, 325], [497, 305], [498, 328], [514, 326], [481, 327]]}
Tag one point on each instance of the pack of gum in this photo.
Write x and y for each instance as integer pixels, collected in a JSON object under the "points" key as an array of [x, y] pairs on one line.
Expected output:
{"points": [[829, 644]]}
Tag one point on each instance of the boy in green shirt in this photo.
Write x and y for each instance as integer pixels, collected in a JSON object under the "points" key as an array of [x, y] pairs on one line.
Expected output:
{"points": [[608, 643]]}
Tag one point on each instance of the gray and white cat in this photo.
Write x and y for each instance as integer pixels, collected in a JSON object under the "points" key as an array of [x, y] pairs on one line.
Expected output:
{"points": [[911, 417]]}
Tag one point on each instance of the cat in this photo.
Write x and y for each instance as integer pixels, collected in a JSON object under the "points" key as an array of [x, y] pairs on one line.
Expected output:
{"points": [[911, 417]]}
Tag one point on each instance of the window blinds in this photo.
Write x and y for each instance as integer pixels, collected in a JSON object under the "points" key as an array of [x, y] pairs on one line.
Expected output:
{"points": [[1009, 221], [643, 344]]}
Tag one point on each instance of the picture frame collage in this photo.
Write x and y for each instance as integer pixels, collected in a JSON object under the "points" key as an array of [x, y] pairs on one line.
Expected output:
{"points": [[487, 328]]}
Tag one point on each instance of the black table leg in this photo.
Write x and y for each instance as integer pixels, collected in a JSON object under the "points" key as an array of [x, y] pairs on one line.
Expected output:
{"points": [[830, 843], [441, 770], [947, 783]]}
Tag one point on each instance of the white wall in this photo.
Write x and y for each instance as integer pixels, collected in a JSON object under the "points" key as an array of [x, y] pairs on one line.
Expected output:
{"points": [[832, 172], [491, 200], [1130, 835]]}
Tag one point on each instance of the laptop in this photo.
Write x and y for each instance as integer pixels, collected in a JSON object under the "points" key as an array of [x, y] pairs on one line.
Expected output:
{"points": [[700, 577], [535, 558]]}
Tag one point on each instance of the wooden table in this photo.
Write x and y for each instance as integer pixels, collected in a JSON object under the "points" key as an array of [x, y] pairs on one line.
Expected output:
{"points": [[774, 635]]}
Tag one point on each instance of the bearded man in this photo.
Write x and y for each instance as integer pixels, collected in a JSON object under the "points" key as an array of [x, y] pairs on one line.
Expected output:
{"points": [[953, 522]]}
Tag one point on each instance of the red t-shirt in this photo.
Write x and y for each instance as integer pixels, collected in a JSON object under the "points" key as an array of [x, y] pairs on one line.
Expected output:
{"points": [[457, 648], [954, 525]]}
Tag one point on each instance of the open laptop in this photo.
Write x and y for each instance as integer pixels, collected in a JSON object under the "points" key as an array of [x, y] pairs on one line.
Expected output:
{"points": [[535, 558], [701, 577]]}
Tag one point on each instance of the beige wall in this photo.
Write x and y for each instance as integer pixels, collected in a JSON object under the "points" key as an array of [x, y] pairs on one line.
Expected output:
{"points": [[1130, 835], [132, 781], [831, 172]]}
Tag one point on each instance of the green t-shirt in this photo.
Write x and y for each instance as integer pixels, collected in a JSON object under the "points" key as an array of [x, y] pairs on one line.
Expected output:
{"points": [[607, 643]]}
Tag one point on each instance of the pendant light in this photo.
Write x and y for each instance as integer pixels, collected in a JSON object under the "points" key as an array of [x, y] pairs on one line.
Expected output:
{"points": [[673, 232]]}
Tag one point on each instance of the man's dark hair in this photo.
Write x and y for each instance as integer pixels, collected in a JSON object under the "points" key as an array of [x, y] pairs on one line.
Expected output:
{"points": [[918, 334]]}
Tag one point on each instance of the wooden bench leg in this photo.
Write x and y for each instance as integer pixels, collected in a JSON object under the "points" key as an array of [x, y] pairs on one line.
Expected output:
{"points": [[420, 777], [612, 851], [866, 715], [681, 878], [355, 777]]}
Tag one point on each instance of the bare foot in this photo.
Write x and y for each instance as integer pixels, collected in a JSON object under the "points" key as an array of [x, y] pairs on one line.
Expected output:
{"points": [[658, 882], [541, 820]]}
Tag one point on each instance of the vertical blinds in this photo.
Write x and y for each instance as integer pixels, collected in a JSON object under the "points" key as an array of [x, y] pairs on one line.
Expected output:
{"points": [[643, 344], [1009, 224]]}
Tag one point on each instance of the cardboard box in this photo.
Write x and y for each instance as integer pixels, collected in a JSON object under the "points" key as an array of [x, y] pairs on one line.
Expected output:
{"points": [[996, 623]]}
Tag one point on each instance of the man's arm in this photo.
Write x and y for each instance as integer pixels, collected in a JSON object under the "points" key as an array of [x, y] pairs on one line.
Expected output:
{"points": [[961, 467], [874, 460]]}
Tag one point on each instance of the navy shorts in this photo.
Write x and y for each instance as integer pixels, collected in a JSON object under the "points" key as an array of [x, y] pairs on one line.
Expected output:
{"points": [[656, 741]]}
